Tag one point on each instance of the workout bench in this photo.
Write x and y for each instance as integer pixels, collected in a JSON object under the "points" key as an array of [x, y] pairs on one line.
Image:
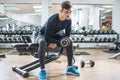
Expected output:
{"points": [[117, 48], [25, 69]]}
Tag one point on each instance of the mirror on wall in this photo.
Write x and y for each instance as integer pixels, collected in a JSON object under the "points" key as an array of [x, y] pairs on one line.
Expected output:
{"points": [[10, 24], [89, 16], [92, 17], [106, 17]]}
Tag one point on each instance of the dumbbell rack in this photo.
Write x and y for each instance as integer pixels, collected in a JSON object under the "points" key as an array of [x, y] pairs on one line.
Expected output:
{"points": [[12, 37], [94, 37]]}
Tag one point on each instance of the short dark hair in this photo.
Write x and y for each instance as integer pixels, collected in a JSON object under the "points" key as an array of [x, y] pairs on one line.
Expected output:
{"points": [[66, 5]]}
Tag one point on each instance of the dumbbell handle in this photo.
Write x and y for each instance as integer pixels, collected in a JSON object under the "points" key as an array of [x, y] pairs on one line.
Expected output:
{"points": [[87, 63]]}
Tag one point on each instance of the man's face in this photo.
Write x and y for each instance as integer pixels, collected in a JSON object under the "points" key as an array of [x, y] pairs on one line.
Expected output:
{"points": [[66, 13]]}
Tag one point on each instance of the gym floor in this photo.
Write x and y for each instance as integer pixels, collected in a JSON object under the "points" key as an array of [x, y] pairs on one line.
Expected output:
{"points": [[104, 69]]}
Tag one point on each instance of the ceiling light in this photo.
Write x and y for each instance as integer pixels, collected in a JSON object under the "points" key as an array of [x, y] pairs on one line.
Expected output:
{"points": [[108, 11], [107, 6], [37, 7], [38, 10], [11, 7], [101, 8], [4, 18]]}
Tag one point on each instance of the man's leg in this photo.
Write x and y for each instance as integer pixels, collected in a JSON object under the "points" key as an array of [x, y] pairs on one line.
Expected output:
{"points": [[41, 55], [71, 69], [69, 51]]}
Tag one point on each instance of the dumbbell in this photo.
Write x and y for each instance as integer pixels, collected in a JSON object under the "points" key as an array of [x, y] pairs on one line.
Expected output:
{"points": [[77, 39], [109, 40], [85, 33], [30, 32], [96, 39], [15, 40], [95, 32], [1, 40], [90, 32], [73, 39], [82, 40], [113, 32], [105, 31], [10, 40], [91, 63], [109, 32], [83, 28], [64, 42], [5, 32], [16, 32], [1, 32], [23, 32], [10, 32], [100, 31], [100, 40], [114, 39], [5, 40], [105, 40], [19, 32], [19, 40], [91, 40]]}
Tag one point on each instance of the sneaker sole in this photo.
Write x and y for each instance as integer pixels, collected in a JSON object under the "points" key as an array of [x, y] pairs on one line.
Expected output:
{"points": [[69, 73]]}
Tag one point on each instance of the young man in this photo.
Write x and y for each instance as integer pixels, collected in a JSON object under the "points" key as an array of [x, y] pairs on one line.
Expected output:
{"points": [[50, 30]]}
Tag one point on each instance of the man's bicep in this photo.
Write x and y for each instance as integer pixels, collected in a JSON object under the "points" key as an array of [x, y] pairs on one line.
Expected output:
{"points": [[48, 31]]}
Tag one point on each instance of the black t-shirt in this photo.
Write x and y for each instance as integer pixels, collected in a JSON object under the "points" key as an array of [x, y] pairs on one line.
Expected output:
{"points": [[53, 26]]}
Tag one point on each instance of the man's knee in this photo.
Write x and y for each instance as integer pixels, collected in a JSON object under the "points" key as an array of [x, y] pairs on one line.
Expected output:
{"points": [[42, 42], [42, 47]]}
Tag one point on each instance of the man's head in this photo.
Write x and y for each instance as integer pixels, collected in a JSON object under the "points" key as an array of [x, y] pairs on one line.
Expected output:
{"points": [[66, 9]]}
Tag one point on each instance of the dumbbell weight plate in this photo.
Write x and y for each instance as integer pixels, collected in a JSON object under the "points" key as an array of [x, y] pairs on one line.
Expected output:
{"points": [[65, 42], [82, 40], [113, 32], [1, 40], [5, 40], [9, 40], [95, 32], [82, 63], [85, 33], [83, 28], [105, 40], [105, 32], [109, 40], [109, 31], [90, 32], [114, 39], [92, 63], [96, 39], [91, 40], [100, 40], [100, 31], [77, 39]]}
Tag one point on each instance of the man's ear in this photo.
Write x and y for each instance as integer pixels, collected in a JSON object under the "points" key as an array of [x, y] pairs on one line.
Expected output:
{"points": [[60, 10]]}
